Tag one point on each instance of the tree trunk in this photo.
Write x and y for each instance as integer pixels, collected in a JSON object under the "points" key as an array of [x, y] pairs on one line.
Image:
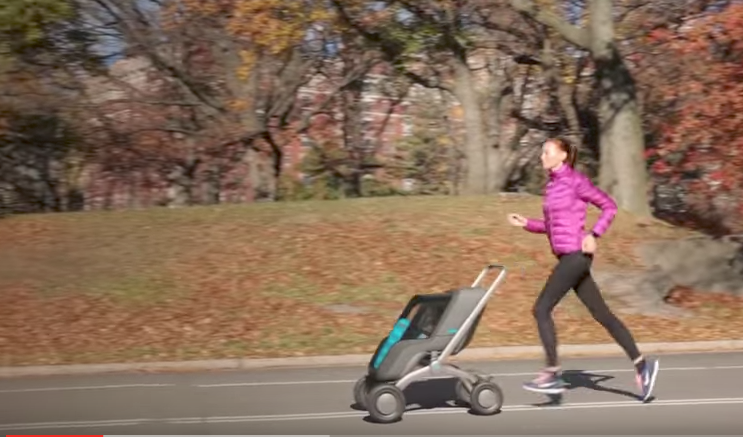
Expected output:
{"points": [[263, 181], [455, 156], [475, 147], [257, 175], [353, 136], [623, 169], [133, 181], [563, 92], [182, 179], [74, 165], [497, 109], [213, 185]]}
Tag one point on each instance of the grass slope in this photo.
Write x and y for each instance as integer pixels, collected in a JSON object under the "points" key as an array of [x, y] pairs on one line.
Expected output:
{"points": [[261, 280]]}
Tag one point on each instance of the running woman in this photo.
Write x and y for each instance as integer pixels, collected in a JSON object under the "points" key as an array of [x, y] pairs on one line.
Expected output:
{"points": [[567, 195]]}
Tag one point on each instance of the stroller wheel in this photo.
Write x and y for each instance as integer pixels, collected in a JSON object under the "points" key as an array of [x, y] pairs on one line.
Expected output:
{"points": [[486, 398], [359, 392], [385, 403]]}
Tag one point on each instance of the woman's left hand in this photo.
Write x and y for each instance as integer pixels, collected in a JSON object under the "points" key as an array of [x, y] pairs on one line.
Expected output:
{"points": [[589, 244]]}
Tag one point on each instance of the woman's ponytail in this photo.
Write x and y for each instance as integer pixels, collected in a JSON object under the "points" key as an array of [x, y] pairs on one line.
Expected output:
{"points": [[569, 148]]}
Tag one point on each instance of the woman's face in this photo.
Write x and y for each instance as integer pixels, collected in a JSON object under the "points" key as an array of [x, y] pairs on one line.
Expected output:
{"points": [[552, 155]]}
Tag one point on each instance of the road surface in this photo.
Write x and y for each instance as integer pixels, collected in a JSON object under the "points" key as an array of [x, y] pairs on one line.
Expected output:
{"points": [[696, 394]]}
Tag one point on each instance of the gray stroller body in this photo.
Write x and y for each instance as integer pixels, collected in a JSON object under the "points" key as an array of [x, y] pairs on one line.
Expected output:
{"points": [[431, 329]]}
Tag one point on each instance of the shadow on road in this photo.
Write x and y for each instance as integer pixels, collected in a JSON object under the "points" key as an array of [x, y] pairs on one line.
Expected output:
{"points": [[440, 393], [591, 381], [435, 393]]}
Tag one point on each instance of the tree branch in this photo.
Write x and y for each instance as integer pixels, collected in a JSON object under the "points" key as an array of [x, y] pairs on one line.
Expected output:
{"points": [[427, 83], [357, 72], [137, 101], [128, 20], [390, 49], [165, 129], [530, 123], [570, 33]]}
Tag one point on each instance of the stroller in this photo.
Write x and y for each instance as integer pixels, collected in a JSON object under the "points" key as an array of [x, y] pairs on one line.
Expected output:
{"points": [[419, 347]]}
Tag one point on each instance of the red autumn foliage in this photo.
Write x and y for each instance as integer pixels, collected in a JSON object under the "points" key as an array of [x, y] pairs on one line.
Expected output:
{"points": [[699, 81]]}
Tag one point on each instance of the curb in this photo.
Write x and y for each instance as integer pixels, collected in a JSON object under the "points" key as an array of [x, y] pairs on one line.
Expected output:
{"points": [[473, 354]]}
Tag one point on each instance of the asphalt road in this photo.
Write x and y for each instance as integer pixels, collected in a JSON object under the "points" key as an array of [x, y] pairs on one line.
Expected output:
{"points": [[696, 394]]}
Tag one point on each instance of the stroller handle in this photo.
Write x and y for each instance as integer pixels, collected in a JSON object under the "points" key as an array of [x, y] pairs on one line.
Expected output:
{"points": [[487, 270], [464, 329]]}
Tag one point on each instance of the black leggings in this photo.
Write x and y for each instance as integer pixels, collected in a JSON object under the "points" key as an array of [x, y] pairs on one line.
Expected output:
{"points": [[574, 271]]}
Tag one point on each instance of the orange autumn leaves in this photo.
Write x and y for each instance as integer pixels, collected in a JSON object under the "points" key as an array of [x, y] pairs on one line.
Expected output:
{"points": [[262, 27], [275, 25]]}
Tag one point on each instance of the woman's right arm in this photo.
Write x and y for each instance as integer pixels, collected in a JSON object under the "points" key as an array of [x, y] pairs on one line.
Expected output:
{"points": [[535, 226]]}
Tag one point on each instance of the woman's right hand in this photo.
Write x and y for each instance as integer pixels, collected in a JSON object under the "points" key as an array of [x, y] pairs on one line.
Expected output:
{"points": [[517, 220]]}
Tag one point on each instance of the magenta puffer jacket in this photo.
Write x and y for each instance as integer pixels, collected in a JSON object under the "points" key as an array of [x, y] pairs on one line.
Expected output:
{"points": [[567, 195]]}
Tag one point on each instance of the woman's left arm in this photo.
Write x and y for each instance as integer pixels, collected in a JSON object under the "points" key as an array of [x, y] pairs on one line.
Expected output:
{"points": [[588, 192]]}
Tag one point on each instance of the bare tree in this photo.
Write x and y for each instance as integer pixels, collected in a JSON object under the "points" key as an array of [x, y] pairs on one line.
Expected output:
{"points": [[623, 169], [447, 46]]}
